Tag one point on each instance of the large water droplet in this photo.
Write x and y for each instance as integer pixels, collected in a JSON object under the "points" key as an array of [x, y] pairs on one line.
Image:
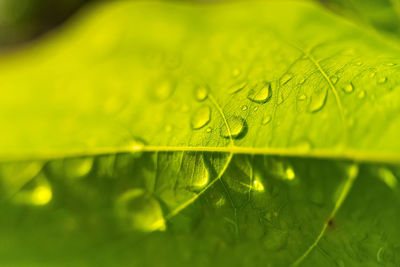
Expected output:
{"points": [[237, 126], [237, 87], [286, 78], [201, 93], [140, 211], [261, 93], [349, 88], [201, 117], [318, 99]]}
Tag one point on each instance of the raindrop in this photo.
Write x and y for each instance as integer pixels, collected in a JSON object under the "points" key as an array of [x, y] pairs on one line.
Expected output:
{"points": [[267, 119], [237, 87], [236, 72], [281, 98], [302, 97], [209, 130], [37, 192], [302, 80], [140, 211], [318, 100], [255, 108], [163, 90], [286, 78], [244, 107], [387, 177], [361, 94], [76, 168], [382, 80], [201, 117], [237, 126], [372, 75], [334, 79], [201, 93], [289, 173], [349, 88], [260, 93]]}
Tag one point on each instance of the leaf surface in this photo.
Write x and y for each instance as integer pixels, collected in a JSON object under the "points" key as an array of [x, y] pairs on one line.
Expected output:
{"points": [[230, 134]]}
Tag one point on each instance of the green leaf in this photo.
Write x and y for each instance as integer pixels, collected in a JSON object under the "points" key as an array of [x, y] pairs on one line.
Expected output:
{"points": [[236, 134]]}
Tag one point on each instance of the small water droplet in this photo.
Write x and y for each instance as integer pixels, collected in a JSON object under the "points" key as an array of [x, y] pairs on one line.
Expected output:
{"points": [[390, 64], [201, 117], [168, 128], [236, 72], [237, 87], [244, 108], [286, 78], [349, 88], [260, 93], [163, 90], [209, 130], [267, 119], [359, 63], [289, 173], [387, 177], [201, 93], [237, 126], [334, 79], [76, 168], [318, 99], [361, 94], [382, 80], [302, 80], [255, 108], [140, 211], [372, 75], [302, 97]]}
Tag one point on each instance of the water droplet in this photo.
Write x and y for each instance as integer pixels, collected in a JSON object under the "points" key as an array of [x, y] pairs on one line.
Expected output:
{"points": [[201, 117], [163, 90], [209, 130], [390, 64], [76, 168], [140, 211], [372, 75], [302, 97], [286, 78], [267, 119], [275, 239], [237, 126], [318, 100], [257, 185], [361, 94], [359, 63], [237, 87], [289, 173], [244, 107], [334, 79], [255, 108], [349, 88], [37, 192], [260, 93], [280, 98], [387, 177], [302, 80], [201, 93], [382, 80], [168, 128]]}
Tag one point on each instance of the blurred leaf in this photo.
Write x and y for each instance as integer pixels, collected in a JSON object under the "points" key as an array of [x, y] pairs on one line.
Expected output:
{"points": [[237, 134]]}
